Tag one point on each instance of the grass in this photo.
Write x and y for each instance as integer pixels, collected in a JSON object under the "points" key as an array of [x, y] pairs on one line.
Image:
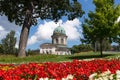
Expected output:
{"points": [[55, 58]]}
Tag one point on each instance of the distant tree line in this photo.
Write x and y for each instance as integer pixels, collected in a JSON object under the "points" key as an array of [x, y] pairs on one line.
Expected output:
{"points": [[81, 48], [32, 52], [7, 45], [94, 47]]}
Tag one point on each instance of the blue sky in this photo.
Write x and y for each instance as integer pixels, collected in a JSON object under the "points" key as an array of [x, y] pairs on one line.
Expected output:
{"points": [[42, 32]]}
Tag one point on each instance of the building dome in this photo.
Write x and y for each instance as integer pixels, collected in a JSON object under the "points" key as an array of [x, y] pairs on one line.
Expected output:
{"points": [[59, 30]]}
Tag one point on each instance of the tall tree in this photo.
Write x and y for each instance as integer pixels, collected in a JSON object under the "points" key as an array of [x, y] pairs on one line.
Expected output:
{"points": [[27, 11], [8, 43], [101, 23], [1, 51]]}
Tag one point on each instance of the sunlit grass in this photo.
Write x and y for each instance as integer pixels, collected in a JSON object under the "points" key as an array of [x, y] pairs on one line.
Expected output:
{"points": [[54, 58]]}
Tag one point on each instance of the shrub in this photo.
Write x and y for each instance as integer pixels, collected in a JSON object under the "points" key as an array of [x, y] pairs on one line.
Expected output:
{"points": [[81, 48]]}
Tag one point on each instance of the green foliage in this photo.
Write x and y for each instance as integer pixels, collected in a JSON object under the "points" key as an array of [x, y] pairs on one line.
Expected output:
{"points": [[33, 52], [43, 9], [8, 43], [75, 49], [81, 48], [1, 50], [102, 23]]}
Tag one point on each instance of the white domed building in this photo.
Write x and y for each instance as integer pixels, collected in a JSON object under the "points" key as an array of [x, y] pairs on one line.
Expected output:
{"points": [[58, 45]]}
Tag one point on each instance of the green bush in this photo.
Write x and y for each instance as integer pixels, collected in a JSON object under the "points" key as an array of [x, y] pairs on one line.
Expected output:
{"points": [[81, 48], [32, 52], [1, 50]]}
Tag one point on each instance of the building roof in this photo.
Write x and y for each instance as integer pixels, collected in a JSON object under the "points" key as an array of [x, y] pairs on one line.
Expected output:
{"points": [[58, 47], [47, 45], [58, 35], [59, 30]]}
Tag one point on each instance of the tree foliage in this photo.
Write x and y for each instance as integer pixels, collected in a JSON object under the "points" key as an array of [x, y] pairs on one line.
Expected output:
{"points": [[102, 23], [16, 10], [1, 51], [8, 43], [81, 48], [26, 13]]}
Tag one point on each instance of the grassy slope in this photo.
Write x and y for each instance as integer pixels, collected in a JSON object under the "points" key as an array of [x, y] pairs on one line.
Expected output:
{"points": [[54, 58]]}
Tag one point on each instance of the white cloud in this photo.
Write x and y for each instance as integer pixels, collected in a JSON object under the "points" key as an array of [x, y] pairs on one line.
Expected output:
{"points": [[72, 29], [17, 35], [2, 32], [44, 31], [1, 28], [32, 40]]}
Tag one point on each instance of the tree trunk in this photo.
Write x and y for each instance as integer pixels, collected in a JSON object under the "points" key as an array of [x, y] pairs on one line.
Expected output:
{"points": [[23, 41], [101, 49], [95, 46], [25, 33]]}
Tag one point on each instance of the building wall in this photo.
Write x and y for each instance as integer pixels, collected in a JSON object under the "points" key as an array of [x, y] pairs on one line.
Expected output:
{"points": [[63, 53], [47, 51], [52, 51], [59, 40]]}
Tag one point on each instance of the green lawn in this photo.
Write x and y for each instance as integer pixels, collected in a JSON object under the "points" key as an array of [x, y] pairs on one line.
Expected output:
{"points": [[55, 58]]}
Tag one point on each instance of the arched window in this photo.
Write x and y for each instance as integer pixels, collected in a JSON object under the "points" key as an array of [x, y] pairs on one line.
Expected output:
{"points": [[56, 41], [62, 41], [47, 52], [50, 51], [43, 52], [61, 31]]}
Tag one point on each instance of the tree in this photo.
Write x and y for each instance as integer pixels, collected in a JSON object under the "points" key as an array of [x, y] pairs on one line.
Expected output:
{"points": [[1, 51], [75, 49], [101, 24], [27, 12], [8, 43], [81, 48], [106, 45]]}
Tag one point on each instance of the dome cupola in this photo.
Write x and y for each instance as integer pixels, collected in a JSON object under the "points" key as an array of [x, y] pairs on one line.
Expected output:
{"points": [[59, 30], [59, 36]]}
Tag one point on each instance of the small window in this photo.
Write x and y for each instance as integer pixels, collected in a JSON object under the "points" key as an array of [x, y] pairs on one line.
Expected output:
{"points": [[50, 51], [56, 41], [61, 31], [62, 41]]}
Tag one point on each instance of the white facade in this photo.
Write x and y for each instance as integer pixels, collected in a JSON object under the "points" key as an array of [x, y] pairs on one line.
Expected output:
{"points": [[47, 51], [53, 51]]}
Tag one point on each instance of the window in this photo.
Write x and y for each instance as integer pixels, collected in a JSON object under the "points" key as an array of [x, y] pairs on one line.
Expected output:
{"points": [[50, 51], [61, 31], [56, 41], [62, 41]]}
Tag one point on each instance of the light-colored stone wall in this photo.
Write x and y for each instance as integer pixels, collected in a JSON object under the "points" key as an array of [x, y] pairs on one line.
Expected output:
{"points": [[63, 53], [47, 51], [52, 51], [59, 40]]}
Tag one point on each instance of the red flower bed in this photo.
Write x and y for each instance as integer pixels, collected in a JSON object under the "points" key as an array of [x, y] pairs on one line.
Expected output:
{"points": [[81, 70]]}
